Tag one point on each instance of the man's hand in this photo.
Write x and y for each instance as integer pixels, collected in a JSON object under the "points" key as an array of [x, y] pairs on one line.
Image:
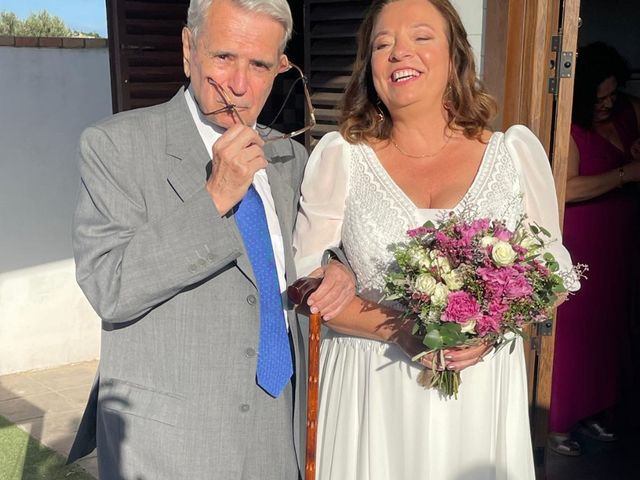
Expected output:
{"points": [[337, 289], [237, 156]]}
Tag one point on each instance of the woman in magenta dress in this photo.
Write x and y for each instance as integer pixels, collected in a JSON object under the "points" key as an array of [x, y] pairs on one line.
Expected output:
{"points": [[600, 230]]}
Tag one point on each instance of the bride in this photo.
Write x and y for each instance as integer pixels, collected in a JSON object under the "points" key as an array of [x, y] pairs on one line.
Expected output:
{"points": [[414, 143]]}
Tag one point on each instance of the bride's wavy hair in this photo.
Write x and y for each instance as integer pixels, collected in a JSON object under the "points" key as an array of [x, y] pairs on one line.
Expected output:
{"points": [[469, 107]]}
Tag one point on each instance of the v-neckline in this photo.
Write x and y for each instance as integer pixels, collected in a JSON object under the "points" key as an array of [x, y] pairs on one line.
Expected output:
{"points": [[383, 172]]}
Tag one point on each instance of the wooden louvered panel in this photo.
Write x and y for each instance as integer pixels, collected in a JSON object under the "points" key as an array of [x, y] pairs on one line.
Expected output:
{"points": [[329, 81], [329, 115], [333, 47], [146, 50], [333, 30], [168, 73], [330, 34], [326, 98], [148, 9]]}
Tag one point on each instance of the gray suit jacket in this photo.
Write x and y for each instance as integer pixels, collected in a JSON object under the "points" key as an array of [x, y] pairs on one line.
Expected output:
{"points": [[174, 287]]}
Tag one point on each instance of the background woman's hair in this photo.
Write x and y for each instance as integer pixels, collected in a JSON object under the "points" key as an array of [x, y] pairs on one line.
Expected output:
{"points": [[595, 63], [469, 107]]}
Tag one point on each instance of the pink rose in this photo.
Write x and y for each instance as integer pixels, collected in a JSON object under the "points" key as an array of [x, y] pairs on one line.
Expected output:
{"points": [[507, 282], [461, 308], [487, 324], [502, 233]]}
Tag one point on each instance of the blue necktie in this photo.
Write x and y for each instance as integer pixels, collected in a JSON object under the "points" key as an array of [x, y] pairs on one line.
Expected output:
{"points": [[275, 366]]}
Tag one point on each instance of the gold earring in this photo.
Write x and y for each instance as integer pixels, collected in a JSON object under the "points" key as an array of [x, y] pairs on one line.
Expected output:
{"points": [[378, 108], [446, 100]]}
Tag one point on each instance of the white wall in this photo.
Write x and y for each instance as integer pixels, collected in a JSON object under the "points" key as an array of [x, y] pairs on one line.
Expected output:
{"points": [[45, 320], [47, 97], [472, 13]]}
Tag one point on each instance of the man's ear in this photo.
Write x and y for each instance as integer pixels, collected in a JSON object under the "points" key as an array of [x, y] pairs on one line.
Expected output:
{"points": [[186, 51], [283, 64]]}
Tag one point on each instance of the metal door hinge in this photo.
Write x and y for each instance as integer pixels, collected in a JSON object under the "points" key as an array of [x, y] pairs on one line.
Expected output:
{"points": [[563, 64], [545, 328]]}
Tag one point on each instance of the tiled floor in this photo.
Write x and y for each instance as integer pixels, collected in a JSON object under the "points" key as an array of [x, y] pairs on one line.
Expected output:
{"points": [[48, 404]]}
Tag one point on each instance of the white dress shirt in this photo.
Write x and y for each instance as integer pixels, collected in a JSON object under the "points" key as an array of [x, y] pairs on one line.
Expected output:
{"points": [[210, 134]]}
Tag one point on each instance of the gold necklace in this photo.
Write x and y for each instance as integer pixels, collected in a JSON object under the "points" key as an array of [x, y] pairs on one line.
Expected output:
{"points": [[424, 155]]}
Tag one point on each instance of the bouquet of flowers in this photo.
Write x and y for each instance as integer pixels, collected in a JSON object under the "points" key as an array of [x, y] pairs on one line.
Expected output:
{"points": [[469, 281]]}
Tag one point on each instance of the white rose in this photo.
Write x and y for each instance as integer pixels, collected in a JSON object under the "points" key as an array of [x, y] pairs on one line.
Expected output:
{"points": [[488, 240], [453, 280], [440, 262], [530, 243], [424, 260], [440, 294], [503, 254], [425, 283], [469, 327], [419, 258]]}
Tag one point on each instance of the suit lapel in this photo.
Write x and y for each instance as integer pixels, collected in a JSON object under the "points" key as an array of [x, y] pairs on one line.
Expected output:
{"points": [[186, 147], [192, 161]]}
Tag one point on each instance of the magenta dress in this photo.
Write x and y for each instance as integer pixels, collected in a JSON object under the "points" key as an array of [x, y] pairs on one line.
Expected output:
{"points": [[593, 326]]}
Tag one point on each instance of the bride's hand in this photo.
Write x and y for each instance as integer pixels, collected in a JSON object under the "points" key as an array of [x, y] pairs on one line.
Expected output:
{"points": [[460, 358], [456, 358]]}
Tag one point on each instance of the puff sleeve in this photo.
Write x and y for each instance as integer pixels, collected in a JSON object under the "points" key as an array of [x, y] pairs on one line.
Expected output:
{"points": [[538, 187], [322, 203]]}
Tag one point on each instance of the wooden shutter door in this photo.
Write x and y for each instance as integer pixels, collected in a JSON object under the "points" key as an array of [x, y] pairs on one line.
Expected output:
{"points": [[330, 49], [145, 50]]}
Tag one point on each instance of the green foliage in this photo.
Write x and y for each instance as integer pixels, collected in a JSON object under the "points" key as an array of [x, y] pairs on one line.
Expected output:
{"points": [[40, 24], [9, 23], [23, 458], [43, 24]]}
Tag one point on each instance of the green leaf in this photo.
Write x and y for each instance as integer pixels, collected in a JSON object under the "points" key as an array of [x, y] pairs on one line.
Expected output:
{"points": [[451, 334], [535, 229], [558, 289], [433, 339]]}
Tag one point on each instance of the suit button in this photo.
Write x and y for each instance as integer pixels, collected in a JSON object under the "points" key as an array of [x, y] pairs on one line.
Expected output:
{"points": [[250, 352], [193, 268], [251, 299], [244, 408], [211, 257]]}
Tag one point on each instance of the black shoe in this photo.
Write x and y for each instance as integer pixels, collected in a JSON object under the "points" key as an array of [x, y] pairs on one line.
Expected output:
{"points": [[563, 445], [597, 431]]}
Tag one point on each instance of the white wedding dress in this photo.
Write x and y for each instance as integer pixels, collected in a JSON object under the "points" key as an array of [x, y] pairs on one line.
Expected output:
{"points": [[375, 421]]}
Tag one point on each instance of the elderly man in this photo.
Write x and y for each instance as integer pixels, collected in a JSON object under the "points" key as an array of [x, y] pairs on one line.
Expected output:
{"points": [[182, 242]]}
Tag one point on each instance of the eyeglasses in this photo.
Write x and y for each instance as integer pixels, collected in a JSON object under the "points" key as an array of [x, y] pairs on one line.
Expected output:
{"points": [[229, 106]]}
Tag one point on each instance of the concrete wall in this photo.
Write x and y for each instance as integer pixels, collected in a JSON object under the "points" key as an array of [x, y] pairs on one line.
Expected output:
{"points": [[48, 96]]}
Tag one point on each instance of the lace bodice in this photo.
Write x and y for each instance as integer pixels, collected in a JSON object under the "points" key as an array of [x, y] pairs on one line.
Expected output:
{"points": [[349, 199], [378, 213]]}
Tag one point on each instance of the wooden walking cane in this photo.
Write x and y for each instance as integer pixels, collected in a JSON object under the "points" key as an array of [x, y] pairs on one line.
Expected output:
{"points": [[299, 293]]}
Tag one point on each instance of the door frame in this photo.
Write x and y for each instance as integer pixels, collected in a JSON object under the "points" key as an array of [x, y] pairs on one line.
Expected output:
{"points": [[519, 37]]}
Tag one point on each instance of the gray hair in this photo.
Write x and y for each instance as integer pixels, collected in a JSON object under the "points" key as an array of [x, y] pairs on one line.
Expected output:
{"points": [[276, 9]]}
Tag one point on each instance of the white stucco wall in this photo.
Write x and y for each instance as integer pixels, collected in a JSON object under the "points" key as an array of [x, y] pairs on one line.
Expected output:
{"points": [[472, 13], [47, 97]]}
